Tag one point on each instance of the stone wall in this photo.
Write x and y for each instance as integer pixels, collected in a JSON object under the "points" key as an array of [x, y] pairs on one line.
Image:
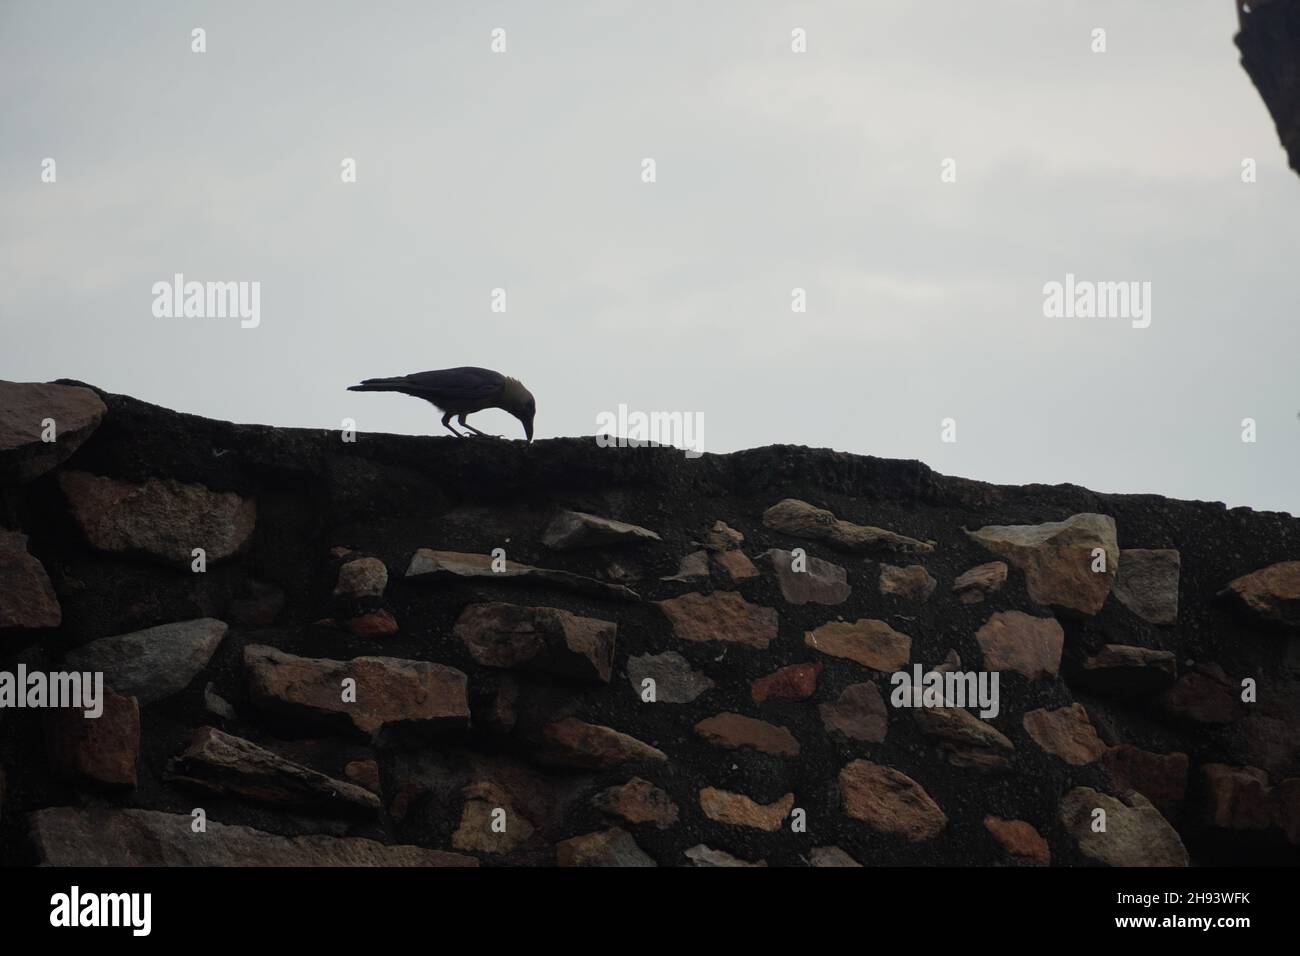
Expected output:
{"points": [[429, 651]]}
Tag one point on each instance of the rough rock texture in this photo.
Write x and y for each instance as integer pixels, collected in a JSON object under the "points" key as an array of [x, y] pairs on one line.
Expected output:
{"points": [[675, 681], [614, 847], [27, 599], [507, 758], [163, 519], [576, 743], [444, 565], [1016, 641], [738, 810], [722, 616], [28, 411], [1065, 732], [224, 764], [975, 585], [870, 643], [68, 836], [1134, 834], [889, 801], [1272, 593], [802, 520], [815, 582], [103, 750], [389, 694], [1058, 558], [912, 582], [542, 638], [154, 663], [1147, 583], [575, 529]]}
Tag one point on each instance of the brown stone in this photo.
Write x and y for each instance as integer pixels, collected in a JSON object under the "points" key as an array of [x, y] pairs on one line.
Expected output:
{"points": [[721, 537], [575, 743], [1161, 778], [912, 582], [794, 682], [27, 599], [479, 830], [889, 801], [871, 643], [1066, 733], [1203, 695], [1019, 642], [802, 520], [1135, 833], [545, 639], [71, 836], [614, 847], [25, 410], [379, 623], [1271, 593], [362, 578], [701, 855], [968, 742], [722, 616], [979, 582], [831, 856], [1057, 558], [1122, 670], [102, 750], [364, 773], [692, 569], [392, 695], [858, 714], [736, 565], [227, 765], [638, 801], [737, 810], [1236, 798], [571, 530], [429, 564], [817, 581], [161, 518], [1022, 842], [735, 731]]}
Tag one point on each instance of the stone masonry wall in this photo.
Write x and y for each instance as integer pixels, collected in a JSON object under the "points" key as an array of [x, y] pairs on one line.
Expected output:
{"points": [[429, 651]]}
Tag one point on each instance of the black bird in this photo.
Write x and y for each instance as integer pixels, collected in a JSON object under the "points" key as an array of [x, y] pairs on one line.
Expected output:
{"points": [[460, 391]]}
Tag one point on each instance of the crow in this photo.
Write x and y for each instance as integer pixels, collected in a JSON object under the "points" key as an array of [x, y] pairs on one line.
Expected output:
{"points": [[460, 391]]}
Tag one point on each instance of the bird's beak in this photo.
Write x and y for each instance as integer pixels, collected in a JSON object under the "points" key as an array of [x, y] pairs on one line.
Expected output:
{"points": [[528, 429]]}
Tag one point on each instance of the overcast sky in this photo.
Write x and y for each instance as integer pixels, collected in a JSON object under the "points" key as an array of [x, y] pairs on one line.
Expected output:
{"points": [[775, 170]]}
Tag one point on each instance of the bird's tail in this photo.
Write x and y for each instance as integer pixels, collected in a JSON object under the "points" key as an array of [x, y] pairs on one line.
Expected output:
{"points": [[380, 385]]}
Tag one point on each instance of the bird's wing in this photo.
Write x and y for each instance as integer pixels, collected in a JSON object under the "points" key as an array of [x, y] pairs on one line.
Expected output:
{"points": [[466, 383]]}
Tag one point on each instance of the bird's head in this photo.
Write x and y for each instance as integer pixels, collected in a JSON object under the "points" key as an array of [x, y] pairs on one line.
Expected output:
{"points": [[519, 402]]}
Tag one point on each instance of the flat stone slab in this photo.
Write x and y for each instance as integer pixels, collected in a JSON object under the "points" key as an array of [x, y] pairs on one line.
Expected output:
{"points": [[427, 563], [1058, 558], [154, 663], [160, 518], [71, 836], [224, 764], [799, 519], [571, 530], [30, 411], [390, 694]]}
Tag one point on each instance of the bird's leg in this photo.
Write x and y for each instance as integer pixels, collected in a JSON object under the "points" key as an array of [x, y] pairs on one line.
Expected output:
{"points": [[446, 422], [460, 419]]}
